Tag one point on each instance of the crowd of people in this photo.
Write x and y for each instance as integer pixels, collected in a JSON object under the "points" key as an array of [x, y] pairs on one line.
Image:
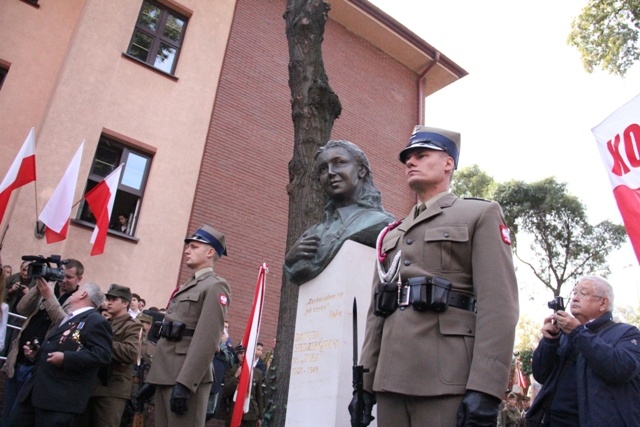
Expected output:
{"points": [[78, 356], [438, 340]]}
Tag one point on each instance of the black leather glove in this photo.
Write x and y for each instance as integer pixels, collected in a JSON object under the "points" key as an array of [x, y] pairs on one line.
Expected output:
{"points": [[145, 392], [368, 400], [478, 410], [179, 399]]}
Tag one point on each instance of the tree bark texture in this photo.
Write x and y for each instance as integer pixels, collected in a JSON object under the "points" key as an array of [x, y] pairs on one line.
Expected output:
{"points": [[314, 108]]}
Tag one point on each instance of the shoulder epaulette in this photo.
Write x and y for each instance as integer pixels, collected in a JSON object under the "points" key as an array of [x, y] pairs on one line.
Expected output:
{"points": [[476, 198]]}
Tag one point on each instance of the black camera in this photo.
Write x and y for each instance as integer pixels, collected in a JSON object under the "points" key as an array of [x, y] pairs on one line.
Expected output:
{"points": [[41, 267], [556, 304], [34, 345]]}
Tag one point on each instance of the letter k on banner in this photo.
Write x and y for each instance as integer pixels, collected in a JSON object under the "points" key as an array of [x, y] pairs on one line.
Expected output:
{"points": [[618, 139]]}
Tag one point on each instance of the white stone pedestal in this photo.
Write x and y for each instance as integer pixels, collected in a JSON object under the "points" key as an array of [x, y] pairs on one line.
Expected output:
{"points": [[320, 386]]}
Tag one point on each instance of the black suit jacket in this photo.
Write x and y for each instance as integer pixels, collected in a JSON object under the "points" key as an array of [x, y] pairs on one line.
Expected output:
{"points": [[86, 341]]}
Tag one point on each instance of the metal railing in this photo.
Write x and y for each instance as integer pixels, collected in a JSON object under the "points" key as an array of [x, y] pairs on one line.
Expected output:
{"points": [[10, 326]]}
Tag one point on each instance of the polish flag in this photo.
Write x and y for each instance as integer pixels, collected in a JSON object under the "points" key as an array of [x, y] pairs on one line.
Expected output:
{"points": [[522, 380], [242, 396], [57, 212], [618, 140], [100, 200], [21, 172]]}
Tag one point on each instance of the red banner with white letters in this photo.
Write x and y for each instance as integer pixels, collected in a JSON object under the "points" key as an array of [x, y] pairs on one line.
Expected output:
{"points": [[618, 139]]}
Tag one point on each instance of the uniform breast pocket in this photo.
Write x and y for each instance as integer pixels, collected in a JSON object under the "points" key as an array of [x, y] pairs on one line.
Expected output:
{"points": [[189, 307], [447, 248]]}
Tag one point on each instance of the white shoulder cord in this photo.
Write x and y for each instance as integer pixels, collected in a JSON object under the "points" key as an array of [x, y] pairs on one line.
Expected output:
{"points": [[394, 269]]}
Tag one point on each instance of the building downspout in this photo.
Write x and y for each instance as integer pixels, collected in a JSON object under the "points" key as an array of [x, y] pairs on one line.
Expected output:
{"points": [[421, 96]]}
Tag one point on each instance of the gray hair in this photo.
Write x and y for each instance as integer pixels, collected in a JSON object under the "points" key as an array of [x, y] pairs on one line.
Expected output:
{"points": [[601, 287], [95, 294]]}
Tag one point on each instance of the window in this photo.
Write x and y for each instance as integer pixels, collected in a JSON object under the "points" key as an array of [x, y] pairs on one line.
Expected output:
{"points": [[158, 36], [109, 155]]}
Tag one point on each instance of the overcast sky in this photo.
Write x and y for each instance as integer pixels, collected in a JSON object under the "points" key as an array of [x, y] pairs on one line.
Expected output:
{"points": [[527, 107]]}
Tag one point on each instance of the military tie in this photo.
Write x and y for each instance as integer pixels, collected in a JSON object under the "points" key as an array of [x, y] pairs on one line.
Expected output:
{"points": [[421, 208]]}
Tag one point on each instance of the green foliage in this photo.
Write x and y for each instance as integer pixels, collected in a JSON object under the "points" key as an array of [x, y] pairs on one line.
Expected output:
{"points": [[472, 182], [606, 35], [527, 333], [527, 337], [270, 393], [565, 246], [525, 361], [629, 314]]}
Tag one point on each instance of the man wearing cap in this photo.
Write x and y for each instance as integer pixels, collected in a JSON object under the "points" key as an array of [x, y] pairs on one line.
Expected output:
{"points": [[445, 289], [113, 386], [188, 339]]}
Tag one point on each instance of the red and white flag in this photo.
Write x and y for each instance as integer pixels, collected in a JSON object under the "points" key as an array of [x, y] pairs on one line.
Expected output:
{"points": [[21, 172], [242, 396], [522, 380], [57, 212], [618, 139], [100, 199]]}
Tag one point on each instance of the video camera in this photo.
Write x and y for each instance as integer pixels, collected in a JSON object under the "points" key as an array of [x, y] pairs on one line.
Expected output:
{"points": [[41, 267]]}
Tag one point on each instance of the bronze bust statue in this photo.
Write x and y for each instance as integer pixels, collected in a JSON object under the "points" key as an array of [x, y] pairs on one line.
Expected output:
{"points": [[353, 211]]}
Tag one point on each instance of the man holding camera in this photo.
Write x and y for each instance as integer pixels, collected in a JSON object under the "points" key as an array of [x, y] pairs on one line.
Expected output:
{"points": [[441, 325], [181, 373], [18, 284], [66, 364], [42, 309], [588, 365]]}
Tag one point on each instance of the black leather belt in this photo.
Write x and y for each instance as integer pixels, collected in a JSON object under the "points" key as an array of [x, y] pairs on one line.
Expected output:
{"points": [[188, 332], [463, 301]]}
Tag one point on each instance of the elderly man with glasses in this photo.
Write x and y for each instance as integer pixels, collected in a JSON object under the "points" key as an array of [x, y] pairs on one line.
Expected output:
{"points": [[588, 364]]}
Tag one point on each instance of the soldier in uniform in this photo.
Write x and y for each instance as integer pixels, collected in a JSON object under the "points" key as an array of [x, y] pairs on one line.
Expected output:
{"points": [[189, 335], [113, 386], [441, 325]]}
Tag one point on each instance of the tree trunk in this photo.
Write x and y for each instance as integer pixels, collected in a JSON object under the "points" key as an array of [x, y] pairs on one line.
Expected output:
{"points": [[314, 108]]}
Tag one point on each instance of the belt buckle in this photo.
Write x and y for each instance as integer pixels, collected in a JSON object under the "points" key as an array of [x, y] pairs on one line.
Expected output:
{"points": [[404, 295]]}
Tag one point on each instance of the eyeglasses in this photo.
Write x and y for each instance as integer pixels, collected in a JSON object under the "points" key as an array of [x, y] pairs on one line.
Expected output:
{"points": [[582, 295]]}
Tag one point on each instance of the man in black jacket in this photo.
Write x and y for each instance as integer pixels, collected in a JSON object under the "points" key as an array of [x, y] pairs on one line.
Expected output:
{"points": [[66, 366]]}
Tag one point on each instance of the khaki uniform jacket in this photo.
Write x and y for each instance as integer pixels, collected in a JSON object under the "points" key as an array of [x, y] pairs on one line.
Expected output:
{"points": [[119, 374], [201, 303], [435, 354]]}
